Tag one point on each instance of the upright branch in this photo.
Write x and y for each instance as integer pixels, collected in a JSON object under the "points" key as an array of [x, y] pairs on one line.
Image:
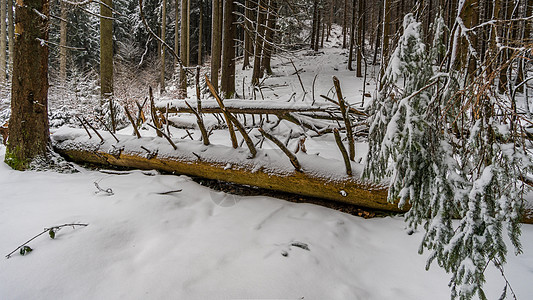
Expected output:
{"points": [[200, 122], [294, 161], [338, 140], [226, 115], [344, 112], [155, 118], [132, 123], [94, 129], [161, 133]]}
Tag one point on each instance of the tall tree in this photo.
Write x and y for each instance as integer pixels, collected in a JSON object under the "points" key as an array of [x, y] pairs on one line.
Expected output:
{"points": [[248, 41], [163, 35], [3, 40], [345, 24], [259, 34], [216, 39], [106, 49], [184, 47], [227, 83], [269, 36], [28, 125], [200, 32], [10, 33], [360, 37], [352, 37], [63, 43]]}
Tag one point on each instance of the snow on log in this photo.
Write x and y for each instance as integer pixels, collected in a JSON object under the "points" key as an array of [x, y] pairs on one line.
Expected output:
{"points": [[270, 169]]}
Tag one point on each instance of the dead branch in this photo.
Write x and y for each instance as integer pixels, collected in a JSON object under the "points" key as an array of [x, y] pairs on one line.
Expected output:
{"points": [[294, 161], [132, 122], [228, 121], [338, 140], [347, 122]]}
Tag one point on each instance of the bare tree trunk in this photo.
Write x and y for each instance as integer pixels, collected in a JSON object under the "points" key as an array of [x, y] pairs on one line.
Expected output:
{"points": [[227, 83], [352, 37], [176, 33], [330, 18], [378, 33], [184, 48], [63, 44], [271, 27], [385, 43], [3, 39], [248, 45], [216, 38], [163, 35], [29, 135], [344, 24], [360, 38], [314, 32], [200, 32], [10, 34], [106, 50], [260, 32], [317, 28]]}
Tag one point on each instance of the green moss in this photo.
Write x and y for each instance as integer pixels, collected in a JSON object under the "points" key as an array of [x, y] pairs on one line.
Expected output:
{"points": [[13, 160]]}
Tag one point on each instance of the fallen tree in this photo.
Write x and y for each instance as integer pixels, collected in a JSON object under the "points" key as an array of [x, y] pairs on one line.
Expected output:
{"points": [[270, 169]]}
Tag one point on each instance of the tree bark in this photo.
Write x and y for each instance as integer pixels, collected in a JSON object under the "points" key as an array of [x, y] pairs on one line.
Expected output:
{"points": [[106, 50], [344, 24], [216, 38], [269, 35], [184, 48], [3, 39], [259, 34], [227, 83], [28, 125], [360, 38], [176, 33], [163, 34], [200, 32], [248, 45], [352, 37], [63, 44], [385, 39], [10, 34]]}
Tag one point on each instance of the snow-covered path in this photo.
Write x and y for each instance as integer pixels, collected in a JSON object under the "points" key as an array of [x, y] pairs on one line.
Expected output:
{"points": [[203, 244]]}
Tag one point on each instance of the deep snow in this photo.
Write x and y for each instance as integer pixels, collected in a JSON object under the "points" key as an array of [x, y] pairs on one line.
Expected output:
{"points": [[204, 244]]}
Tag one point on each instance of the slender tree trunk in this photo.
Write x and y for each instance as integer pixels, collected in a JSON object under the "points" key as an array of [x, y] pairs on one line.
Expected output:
{"points": [[184, 48], [247, 40], [344, 24], [317, 28], [378, 33], [10, 34], [29, 135], [385, 38], [314, 32], [176, 32], [526, 32], [360, 38], [271, 27], [352, 37], [227, 83], [163, 35], [260, 32], [200, 32], [216, 38], [330, 18], [505, 54], [63, 44], [106, 50], [3, 39]]}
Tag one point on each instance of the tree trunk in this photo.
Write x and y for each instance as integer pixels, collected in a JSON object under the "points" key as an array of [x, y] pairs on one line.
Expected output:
{"points": [[258, 51], [248, 45], [28, 126], [200, 32], [184, 48], [314, 32], [163, 35], [352, 37], [344, 24], [378, 33], [106, 50], [216, 38], [3, 39], [271, 27], [63, 44], [176, 33], [385, 39], [227, 83], [10, 34], [317, 28], [360, 39]]}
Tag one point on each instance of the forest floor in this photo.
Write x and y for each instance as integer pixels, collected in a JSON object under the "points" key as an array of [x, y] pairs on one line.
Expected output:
{"points": [[168, 237]]}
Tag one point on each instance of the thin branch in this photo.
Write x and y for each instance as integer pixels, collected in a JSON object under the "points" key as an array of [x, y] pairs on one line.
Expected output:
{"points": [[345, 157], [165, 135], [294, 161]]}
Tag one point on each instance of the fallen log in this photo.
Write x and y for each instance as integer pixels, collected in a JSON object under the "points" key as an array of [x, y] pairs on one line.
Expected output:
{"points": [[320, 177]]}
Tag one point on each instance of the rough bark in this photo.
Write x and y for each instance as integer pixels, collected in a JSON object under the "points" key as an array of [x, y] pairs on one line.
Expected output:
{"points": [[216, 38], [184, 47], [3, 39], [63, 43], [258, 51], [28, 125], [106, 50], [227, 82], [163, 34]]}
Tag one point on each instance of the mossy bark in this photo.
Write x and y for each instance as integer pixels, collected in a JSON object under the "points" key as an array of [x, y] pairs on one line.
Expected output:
{"points": [[29, 135]]}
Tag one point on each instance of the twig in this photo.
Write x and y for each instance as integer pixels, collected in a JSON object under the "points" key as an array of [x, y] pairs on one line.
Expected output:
{"points": [[132, 122], [165, 135], [170, 192], [200, 122], [350, 109], [53, 228], [294, 161], [313, 89], [338, 140], [228, 121], [84, 127], [108, 191], [105, 126], [299, 78], [91, 126], [342, 105], [153, 112]]}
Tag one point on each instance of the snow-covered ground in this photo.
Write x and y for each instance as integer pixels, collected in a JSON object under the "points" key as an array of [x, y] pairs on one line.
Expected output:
{"points": [[204, 244]]}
